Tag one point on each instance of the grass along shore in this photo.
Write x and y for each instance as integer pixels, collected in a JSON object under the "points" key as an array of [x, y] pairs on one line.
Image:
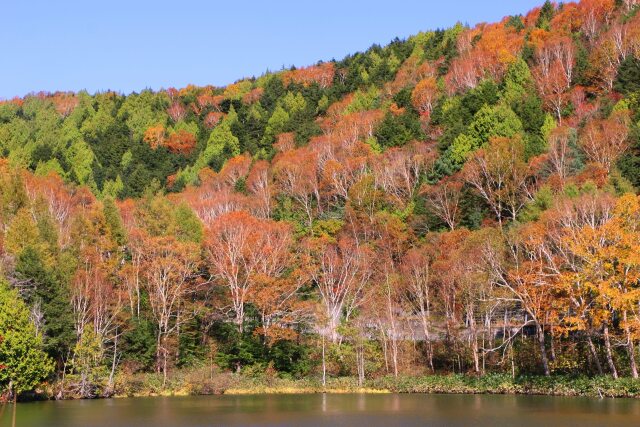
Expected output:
{"points": [[203, 382]]}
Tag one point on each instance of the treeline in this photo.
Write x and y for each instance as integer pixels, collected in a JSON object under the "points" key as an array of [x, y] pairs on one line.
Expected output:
{"points": [[462, 201]]}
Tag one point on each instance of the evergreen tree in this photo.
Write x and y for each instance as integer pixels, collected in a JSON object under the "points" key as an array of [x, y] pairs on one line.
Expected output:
{"points": [[51, 296], [24, 364]]}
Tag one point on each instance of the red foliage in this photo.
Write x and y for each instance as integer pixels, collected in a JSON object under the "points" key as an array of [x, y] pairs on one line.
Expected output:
{"points": [[603, 141], [285, 142], [177, 111], [212, 119], [235, 169]]}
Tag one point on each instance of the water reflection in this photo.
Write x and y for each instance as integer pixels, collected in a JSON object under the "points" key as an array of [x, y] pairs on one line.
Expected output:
{"points": [[325, 409], [362, 400]]}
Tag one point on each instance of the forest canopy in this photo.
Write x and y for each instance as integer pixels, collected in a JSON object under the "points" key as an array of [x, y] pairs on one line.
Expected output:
{"points": [[463, 200]]}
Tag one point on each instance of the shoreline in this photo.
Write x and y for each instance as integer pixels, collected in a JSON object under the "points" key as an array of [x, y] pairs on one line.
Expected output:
{"points": [[145, 385]]}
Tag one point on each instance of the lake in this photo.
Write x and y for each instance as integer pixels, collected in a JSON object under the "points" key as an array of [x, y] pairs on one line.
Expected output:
{"points": [[352, 410]]}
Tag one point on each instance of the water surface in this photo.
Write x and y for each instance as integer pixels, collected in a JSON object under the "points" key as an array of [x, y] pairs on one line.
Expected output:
{"points": [[354, 410]]}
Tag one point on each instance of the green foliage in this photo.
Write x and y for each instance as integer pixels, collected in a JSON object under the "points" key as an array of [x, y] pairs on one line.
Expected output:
{"points": [[582, 71], [363, 100], [100, 144], [546, 13], [143, 111], [189, 227], [222, 145], [628, 78], [291, 358], [518, 83], [114, 221], [505, 383], [456, 113], [516, 23], [23, 363], [543, 201], [190, 348], [139, 344], [236, 350], [395, 131], [87, 361], [50, 293], [277, 124], [488, 122], [328, 227]]}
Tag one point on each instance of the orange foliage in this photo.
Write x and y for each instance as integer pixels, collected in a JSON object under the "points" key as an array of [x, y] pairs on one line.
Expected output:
{"points": [[603, 141], [567, 20], [212, 119], [424, 95], [155, 136], [253, 95], [241, 248], [463, 74], [444, 199], [395, 110], [596, 14], [235, 169], [285, 142], [321, 74], [259, 185], [181, 142], [296, 175], [65, 103], [349, 128], [398, 170], [496, 47]]}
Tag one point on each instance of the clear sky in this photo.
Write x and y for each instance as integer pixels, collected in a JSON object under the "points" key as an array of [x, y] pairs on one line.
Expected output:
{"points": [[129, 45]]}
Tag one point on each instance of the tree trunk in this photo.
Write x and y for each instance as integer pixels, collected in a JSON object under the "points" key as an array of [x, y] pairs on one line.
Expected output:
{"points": [[240, 319], [384, 349], [632, 356], [543, 350], [430, 355], [164, 369], [395, 358], [474, 342], [324, 363], [427, 340], [394, 351], [476, 359], [113, 362], [15, 404], [630, 347], [607, 346], [594, 353], [483, 354], [360, 363], [159, 349]]}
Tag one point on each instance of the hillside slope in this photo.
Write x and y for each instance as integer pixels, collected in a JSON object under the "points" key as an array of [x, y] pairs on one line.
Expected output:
{"points": [[413, 208]]}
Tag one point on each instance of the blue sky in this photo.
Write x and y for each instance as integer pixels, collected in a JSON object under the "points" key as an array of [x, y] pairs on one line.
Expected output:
{"points": [[131, 45]]}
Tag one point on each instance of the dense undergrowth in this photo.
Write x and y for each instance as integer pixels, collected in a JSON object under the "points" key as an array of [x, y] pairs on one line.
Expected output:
{"points": [[203, 381]]}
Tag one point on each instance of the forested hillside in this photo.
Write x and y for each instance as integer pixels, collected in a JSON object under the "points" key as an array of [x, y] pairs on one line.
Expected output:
{"points": [[464, 200]]}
